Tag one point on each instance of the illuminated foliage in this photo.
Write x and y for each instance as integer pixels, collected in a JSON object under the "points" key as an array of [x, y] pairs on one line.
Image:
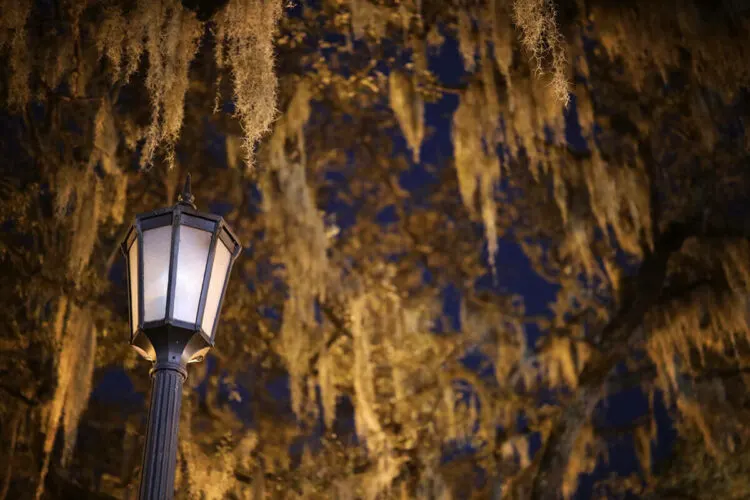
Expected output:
{"points": [[469, 226]]}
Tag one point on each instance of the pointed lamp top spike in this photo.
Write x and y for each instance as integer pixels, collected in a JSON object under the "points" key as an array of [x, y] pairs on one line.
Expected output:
{"points": [[186, 197]]}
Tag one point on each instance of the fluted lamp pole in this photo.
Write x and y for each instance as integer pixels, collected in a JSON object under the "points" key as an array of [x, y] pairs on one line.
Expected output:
{"points": [[178, 262]]}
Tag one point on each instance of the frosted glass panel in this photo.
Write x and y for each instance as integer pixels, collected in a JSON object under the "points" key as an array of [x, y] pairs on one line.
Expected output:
{"points": [[156, 250], [191, 266], [133, 275], [215, 287]]}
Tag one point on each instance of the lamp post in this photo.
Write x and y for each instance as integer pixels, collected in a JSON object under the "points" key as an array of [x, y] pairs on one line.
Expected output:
{"points": [[178, 261]]}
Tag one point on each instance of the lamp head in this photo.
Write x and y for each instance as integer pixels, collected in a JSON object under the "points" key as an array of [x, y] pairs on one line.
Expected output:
{"points": [[179, 261]]}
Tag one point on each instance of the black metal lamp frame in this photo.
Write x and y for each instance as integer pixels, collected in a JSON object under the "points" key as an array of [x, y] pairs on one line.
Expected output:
{"points": [[172, 344]]}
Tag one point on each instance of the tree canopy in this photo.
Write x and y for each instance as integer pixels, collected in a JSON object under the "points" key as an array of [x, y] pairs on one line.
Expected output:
{"points": [[493, 248]]}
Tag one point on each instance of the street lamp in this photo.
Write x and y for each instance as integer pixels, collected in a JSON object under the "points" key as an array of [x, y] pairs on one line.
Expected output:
{"points": [[178, 261]]}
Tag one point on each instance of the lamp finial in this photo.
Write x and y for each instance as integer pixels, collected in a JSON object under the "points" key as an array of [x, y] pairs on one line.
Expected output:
{"points": [[186, 197]]}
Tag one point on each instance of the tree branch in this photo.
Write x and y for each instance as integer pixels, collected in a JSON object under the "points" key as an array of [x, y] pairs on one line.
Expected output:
{"points": [[614, 346], [340, 331], [646, 293]]}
